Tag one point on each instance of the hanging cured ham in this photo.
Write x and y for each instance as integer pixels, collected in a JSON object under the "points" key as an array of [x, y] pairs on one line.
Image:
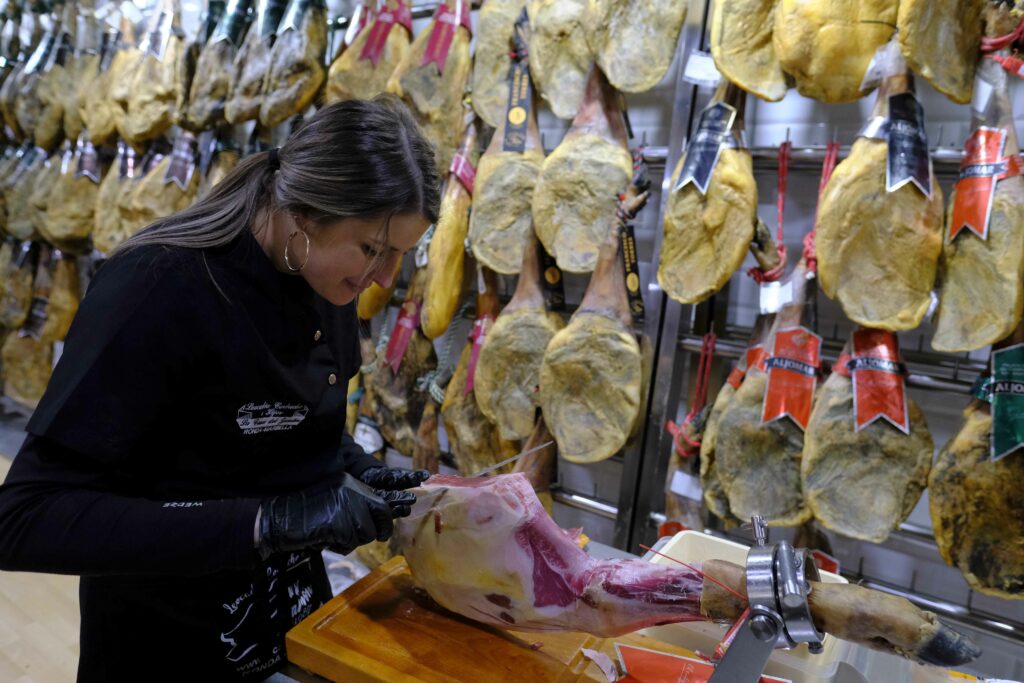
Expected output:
{"points": [[252, 63], [863, 481], [152, 97], [939, 39], [396, 405], [486, 549], [432, 78], [827, 45], [504, 186], [560, 56], [591, 377], [215, 66], [446, 253], [491, 62], [878, 245], [974, 490], [743, 49], [758, 463], [634, 41], [362, 70], [707, 234], [508, 374], [574, 199], [296, 70], [982, 266], [101, 113], [715, 497], [473, 438]]}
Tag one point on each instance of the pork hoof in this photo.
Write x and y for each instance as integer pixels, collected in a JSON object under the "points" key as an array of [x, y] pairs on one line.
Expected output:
{"points": [[948, 648]]}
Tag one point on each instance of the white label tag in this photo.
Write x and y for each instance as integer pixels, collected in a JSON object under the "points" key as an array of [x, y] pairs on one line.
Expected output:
{"points": [[982, 96], [775, 295], [687, 486], [58, 351], [701, 70], [367, 435]]}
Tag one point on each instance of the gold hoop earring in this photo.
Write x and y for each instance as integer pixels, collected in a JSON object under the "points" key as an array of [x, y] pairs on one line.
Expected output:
{"points": [[287, 261]]}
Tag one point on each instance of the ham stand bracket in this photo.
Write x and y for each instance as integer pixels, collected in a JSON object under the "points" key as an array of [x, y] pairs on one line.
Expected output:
{"points": [[779, 615]]}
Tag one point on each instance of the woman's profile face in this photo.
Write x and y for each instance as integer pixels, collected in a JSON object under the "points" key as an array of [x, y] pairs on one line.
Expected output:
{"points": [[349, 255]]}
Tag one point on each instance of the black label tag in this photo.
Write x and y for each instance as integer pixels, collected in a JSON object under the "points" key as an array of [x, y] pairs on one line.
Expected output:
{"points": [[183, 162], [126, 161], [551, 276], [88, 161], [36, 320], [703, 151], [792, 365], [26, 255], [629, 264], [908, 145], [517, 113], [877, 364]]}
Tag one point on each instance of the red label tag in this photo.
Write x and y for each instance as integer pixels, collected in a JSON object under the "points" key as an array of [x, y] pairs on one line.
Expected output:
{"points": [[756, 357], [735, 378], [878, 386], [464, 170], [825, 562], [981, 170], [446, 22], [480, 329], [650, 666], [373, 49], [405, 327], [792, 376], [842, 365]]}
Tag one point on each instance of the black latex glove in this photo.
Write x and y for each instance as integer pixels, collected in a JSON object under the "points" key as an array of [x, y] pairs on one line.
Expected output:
{"points": [[393, 478], [343, 517]]}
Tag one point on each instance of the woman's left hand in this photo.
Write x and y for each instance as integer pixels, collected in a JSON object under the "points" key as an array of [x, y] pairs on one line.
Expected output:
{"points": [[393, 478]]}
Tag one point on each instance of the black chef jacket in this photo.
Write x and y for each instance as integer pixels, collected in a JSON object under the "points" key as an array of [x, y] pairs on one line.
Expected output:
{"points": [[193, 384]]}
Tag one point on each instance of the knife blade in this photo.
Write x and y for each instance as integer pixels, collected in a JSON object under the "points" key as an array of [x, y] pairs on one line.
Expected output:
{"points": [[514, 458]]}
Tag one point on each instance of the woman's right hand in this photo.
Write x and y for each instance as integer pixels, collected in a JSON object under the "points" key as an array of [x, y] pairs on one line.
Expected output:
{"points": [[342, 517]]}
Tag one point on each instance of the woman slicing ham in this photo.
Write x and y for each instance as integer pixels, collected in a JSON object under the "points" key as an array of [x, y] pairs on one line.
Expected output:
{"points": [[189, 458]]}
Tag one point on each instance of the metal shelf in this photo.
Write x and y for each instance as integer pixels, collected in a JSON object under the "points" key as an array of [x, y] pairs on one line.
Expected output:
{"points": [[943, 372]]}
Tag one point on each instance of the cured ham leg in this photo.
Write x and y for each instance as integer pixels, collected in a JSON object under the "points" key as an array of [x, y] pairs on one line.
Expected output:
{"points": [[591, 377], [474, 439], [860, 615], [508, 375], [485, 548], [539, 466], [574, 200]]}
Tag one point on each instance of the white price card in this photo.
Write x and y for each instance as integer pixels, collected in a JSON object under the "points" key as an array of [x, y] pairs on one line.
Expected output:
{"points": [[701, 70], [687, 486]]}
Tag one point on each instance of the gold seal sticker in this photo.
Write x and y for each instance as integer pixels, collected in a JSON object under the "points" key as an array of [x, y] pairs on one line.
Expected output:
{"points": [[516, 116], [552, 275], [633, 282]]}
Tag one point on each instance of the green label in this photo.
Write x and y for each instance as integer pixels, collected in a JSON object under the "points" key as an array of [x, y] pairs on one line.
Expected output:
{"points": [[1007, 401]]}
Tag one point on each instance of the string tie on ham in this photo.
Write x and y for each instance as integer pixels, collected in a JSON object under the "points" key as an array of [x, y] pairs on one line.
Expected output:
{"points": [[759, 275], [999, 42], [685, 435], [810, 248]]}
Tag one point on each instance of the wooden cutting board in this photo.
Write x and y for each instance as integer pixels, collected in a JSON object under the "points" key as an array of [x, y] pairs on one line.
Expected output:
{"points": [[383, 629]]}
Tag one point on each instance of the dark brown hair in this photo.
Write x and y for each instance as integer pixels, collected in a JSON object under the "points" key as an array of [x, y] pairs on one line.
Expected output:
{"points": [[357, 158]]}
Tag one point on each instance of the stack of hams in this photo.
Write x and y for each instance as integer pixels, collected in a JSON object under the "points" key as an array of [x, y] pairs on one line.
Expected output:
{"points": [[974, 490]]}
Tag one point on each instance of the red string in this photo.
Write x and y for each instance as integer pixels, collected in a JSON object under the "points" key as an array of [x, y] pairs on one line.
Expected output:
{"points": [[757, 274], [998, 43], [684, 445], [699, 572], [831, 160], [1013, 65]]}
